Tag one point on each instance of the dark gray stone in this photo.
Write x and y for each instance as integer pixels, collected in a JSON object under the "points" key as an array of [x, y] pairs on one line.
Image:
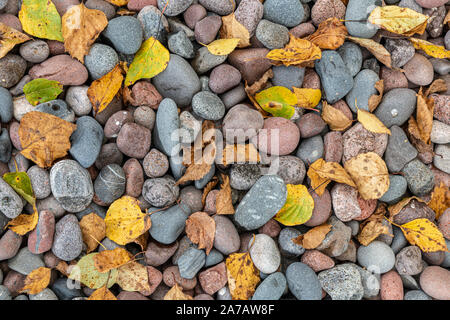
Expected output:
{"points": [[5, 146], [110, 183], [86, 141], [160, 192], [310, 149], [11, 204], [396, 106], [363, 89], [190, 262], [68, 241], [352, 57], [285, 12], [420, 178], [100, 60], [287, 247], [272, 288], [24, 262], [125, 33], [168, 224], [58, 108], [398, 151], [303, 282], [6, 106], [360, 10]]}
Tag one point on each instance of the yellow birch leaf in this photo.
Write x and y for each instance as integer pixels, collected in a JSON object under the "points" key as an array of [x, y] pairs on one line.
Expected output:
{"points": [[80, 28], [440, 199], [424, 234], [102, 294], [24, 223], [224, 203], [37, 280], [330, 34], [9, 38], [125, 220], [376, 49], [298, 207], [375, 99], [223, 47], [314, 237], [93, 230], [200, 229], [176, 293], [332, 171], [111, 259], [133, 276], [240, 153], [231, 28], [430, 48], [399, 20], [307, 98], [335, 118], [370, 174], [299, 52], [118, 3], [41, 19], [243, 277], [371, 122]]}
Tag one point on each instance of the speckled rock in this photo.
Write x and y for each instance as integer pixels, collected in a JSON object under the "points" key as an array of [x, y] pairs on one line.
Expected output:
{"points": [[271, 288], [25, 261], [249, 13], [409, 261], [336, 241], [40, 239], [134, 140], [244, 176], [362, 90], [291, 169], [342, 282], [272, 35], [345, 202], [241, 122], [190, 262], [110, 183], [125, 33], [100, 60], [208, 106], [288, 13], [160, 192], [401, 51], [287, 247], [391, 286], [68, 242], [419, 177]]}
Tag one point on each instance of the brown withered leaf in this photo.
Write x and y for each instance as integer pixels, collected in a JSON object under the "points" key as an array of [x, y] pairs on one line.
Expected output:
{"points": [[298, 52], [335, 118], [438, 85], [375, 99], [80, 28], [63, 267], [44, 137], [412, 133], [224, 204], [9, 37], [376, 49], [111, 259], [330, 34], [314, 237], [142, 240], [176, 293], [232, 29], [102, 293], [37, 280], [440, 199], [125, 12], [396, 208], [133, 276], [93, 230], [424, 117], [332, 171], [195, 171], [373, 226], [209, 186], [318, 184], [447, 19], [200, 229], [240, 153], [259, 85]]}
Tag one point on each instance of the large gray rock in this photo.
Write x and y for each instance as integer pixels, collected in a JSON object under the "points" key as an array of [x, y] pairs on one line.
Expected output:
{"points": [[343, 282], [68, 241], [360, 10], [168, 224], [11, 204], [167, 124], [396, 106], [303, 282]]}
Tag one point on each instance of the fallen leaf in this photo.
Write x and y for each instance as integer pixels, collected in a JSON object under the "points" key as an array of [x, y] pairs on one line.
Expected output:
{"points": [[209, 186], [176, 293], [331, 171], [307, 98], [440, 199], [223, 47], [438, 85], [142, 241], [396, 208], [298, 207], [399, 20], [374, 48], [133, 276], [370, 174], [9, 37], [224, 204], [371, 123], [119, 3], [447, 19], [24, 223], [335, 118], [111, 259], [243, 277], [430, 48], [40, 18], [37, 280], [373, 226], [231, 28], [330, 34], [240, 153], [278, 101], [102, 294], [63, 267], [198, 169], [41, 90], [314, 237], [93, 230], [125, 12], [424, 234], [375, 99], [21, 183], [151, 59], [125, 221], [422, 125], [102, 91], [86, 273], [318, 184], [200, 229], [299, 52], [259, 85], [44, 137]]}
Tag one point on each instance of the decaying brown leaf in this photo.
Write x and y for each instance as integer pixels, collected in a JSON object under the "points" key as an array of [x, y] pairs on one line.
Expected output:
{"points": [[335, 118], [9, 37], [63, 267], [447, 19], [373, 226], [142, 241], [111, 259], [102, 293], [231, 28], [24, 223], [240, 153], [424, 118], [375, 48], [440, 199], [133, 276], [209, 186], [224, 204], [176, 293], [375, 99], [330, 34], [318, 184], [396, 208], [37, 280], [314, 237], [243, 276], [332, 171], [200, 229], [44, 137], [298, 52], [259, 85], [93, 229]]}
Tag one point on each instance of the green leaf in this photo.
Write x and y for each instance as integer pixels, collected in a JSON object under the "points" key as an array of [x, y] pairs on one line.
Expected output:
{"points": [[151, 59], [42, 90], [298, 207], [87, 274], [41, 19], [21, 183], [278, 101]]}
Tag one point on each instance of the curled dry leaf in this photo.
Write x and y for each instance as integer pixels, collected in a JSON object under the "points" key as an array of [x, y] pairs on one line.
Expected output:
{"points": [[335, 118], [80, 28], [412, 133], [440, 199], [21, 183], [370, 174], [373, 226], [396, 208], [332, 171], [259, 85], [371, 122], [176, 293], [421, 126], [298, 207], [224, 204], [240, 153], [63, 267], [198, 169], [243, 276], [424, 234], [223, 47], [37, 280], [86, 273], [376, 49], [9, 37], [118, 3], [430, 48], [399, 20], [437, 86], [314, 237], [298, 52], [93, 230], [375, 99], [111, 259], [102, 294], [142, 240], [231, 28], [200, 229], [24, 223], [44, 137], [307, 98], [133, 276], [41, 90], [330, 34], [40, 18], [209, 186], [278, 101], [318, 184]]}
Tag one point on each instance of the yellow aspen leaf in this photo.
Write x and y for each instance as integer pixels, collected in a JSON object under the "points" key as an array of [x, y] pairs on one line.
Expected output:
{"points": [[314, 237], [93, 230], [142, 241], [318, 184], [370, 174], [240, 153], [21, 183], [37, 280], [111, 259], [44, 137], [125, 221], [209, 186], [118, 3], [307, 98], [335, 118], [231, 28], [399, 20], [41, 19], [330, 34], [176, 293], [86, 273], [151, 59], [223, 47], [200, 229], [371, 122], [9, 38], [298, 207], [80, 28], [375, 99], [332, 171], [102, 294], [430, 48], [243, 277], [424, 234], [376, 49], [224, 204], [424, 116], [396, 208], [440, 199], [278, 101], [373, 226], [24, 223], [133, 276], [299, 52]]}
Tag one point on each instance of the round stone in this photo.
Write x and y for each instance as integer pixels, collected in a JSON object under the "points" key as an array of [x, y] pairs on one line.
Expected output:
{"points": [[100, 60], [377, 257], [264, 253], [160, 192], [208, 106]]}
